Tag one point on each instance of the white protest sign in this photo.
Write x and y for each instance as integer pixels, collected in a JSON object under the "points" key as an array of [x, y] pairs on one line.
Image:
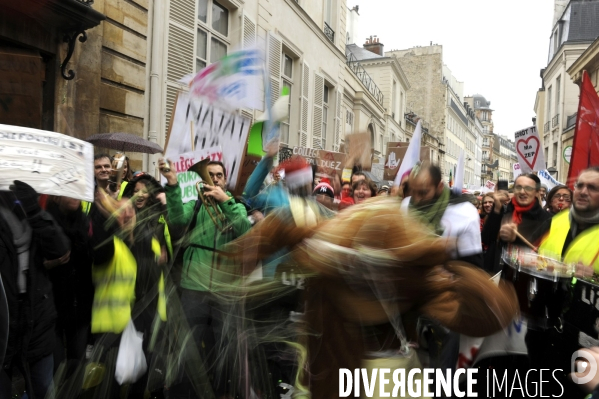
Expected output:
{"points": [[236, 81], [517, 170], [547, 179], [51, 163], [207, 126], [529, 151], [187, 180], [490, 185]]}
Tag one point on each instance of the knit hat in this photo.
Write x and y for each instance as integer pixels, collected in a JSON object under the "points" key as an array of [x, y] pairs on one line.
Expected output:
{"points": [[324, 188], [297, 171]]}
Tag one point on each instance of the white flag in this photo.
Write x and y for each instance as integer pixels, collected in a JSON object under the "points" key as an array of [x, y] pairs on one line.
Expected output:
{"points": [[458, 182], [412, 155], [529, 151]]}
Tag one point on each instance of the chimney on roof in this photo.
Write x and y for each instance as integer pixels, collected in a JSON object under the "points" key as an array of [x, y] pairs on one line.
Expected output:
{"points": [[372, 44]]}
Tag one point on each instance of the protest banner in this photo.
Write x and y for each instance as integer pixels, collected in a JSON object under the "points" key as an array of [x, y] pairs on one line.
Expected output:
{"points": [[396, 152], [51, 163], [517, 170], [529, 151], [359, 150], [187, 180], [489, 185], [329, 163], [547, 179], [236, 81], [198, 125], [378, 171]]}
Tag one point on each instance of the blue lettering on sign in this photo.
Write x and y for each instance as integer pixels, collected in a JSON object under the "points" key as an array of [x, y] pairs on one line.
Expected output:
{"points": [[235, 89]]}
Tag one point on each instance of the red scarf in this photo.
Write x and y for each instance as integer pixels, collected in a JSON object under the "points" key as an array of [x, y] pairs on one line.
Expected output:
{"points": [[519, 210]]}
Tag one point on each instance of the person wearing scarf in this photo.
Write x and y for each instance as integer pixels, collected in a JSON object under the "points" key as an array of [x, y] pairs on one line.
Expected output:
{"points": [[431, 202], [523, 214]]}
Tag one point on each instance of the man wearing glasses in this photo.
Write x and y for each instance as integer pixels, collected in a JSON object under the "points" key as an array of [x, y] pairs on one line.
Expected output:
{"points": [[205, 272], [574, 234]]}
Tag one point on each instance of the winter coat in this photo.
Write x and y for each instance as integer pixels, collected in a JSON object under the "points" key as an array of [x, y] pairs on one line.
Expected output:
{"points": [[32, 320], [204, 269], [535, 224]]}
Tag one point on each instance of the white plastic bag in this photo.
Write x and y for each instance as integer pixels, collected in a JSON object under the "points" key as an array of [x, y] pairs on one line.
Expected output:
{"points": [[131, 361]]}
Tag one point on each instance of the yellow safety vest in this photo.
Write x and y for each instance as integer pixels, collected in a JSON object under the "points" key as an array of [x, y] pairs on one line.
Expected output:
{"points": [[122, 190], [115, 290], [583, 249], [86, 206]]}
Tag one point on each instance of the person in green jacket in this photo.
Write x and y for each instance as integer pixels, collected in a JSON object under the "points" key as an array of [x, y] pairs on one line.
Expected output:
{"points": [[206, 273]]}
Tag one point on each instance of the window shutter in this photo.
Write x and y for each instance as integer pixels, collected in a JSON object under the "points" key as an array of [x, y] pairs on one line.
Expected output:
{"points": [[317, 121], [171, 96], [275, 51], [248, 32], [180, 53], [305, 105], [183, 12], [338, 119]]}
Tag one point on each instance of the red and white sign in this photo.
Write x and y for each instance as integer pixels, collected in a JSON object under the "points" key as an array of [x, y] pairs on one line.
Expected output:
{"points": [[490, 185], [517, 170], [529, 151]]}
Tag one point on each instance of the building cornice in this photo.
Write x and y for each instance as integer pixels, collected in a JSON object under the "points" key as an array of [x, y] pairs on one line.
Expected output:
{"points": [[567, 48], [587, 60], [394, 64]]}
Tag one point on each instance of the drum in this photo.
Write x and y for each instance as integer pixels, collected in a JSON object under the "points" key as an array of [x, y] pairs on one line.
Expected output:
{"points": [[584, 309], [543, 285]]}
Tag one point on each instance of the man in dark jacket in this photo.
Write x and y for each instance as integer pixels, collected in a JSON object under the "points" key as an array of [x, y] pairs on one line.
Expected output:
{"points": [[29, 238]]}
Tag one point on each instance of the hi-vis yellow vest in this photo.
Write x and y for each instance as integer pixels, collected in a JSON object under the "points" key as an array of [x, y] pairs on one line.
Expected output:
{"points": [[583, 249], [115, 290]]}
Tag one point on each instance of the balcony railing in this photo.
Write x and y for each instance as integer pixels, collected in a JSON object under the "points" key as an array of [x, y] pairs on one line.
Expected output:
{"points": [[547, 126], [571, 120], [86, 2], [330, 33], [364, 77], [555, 121]]}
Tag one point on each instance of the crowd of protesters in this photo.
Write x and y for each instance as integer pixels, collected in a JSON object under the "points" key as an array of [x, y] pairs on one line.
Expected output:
{"points": [[76, 273]]}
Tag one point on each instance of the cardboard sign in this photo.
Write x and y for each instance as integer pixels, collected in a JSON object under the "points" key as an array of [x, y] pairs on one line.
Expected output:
{"points": [[490, 185], [359, 150], [529, 151], [51, 163], [199, 126], [329, 163], [187, 180], [517, 170], [395, 154]]}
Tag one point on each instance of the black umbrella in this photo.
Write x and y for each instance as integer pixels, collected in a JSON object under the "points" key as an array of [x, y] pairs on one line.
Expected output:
{"points": [[124, 142]]}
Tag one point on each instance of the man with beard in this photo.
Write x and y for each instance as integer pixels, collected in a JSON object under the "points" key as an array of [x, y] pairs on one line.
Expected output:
{"points": [[205, 276], [573, 237], [448, 216]]}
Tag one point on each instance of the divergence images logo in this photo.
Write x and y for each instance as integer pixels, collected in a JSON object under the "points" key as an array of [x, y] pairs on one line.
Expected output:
{"points": [[582, 366]]}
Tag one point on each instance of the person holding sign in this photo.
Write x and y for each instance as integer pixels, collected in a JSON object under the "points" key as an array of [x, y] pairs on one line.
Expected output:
{"points": [[204, 274]]}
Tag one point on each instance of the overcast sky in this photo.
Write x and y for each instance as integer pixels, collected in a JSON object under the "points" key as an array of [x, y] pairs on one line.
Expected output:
{"points": [[497, 48]]}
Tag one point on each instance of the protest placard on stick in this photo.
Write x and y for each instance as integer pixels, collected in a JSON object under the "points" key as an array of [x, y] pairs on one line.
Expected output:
{"points": [[52, 163]]}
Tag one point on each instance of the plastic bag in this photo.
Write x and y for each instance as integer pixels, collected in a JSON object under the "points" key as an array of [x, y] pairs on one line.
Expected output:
{"points": [[131, 361]]}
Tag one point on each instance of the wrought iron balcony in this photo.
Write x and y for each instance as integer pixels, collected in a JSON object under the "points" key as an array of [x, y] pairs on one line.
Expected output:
{"points": [[330, 33], [364, 77], [86, 2], [555, 121], [547, 126]]}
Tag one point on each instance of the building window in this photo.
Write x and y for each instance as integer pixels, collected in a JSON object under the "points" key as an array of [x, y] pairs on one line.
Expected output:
{"points": [[394, 100], [325, 115], [285, 123], [212, 39], [557, 93]]}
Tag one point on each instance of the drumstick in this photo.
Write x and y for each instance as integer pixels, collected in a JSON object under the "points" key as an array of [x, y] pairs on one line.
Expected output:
{"points": [[525, 241]]}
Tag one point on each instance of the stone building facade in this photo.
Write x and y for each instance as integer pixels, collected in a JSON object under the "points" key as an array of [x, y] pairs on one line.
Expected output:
{"points": [[576, 27], [109, 42]]}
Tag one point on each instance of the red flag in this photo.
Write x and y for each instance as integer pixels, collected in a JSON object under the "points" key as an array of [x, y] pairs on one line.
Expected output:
{"points": [[585, 150]]}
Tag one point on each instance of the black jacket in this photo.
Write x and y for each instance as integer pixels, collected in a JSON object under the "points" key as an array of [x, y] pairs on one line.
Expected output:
{"points": [[535, 224], [31, 317]]}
